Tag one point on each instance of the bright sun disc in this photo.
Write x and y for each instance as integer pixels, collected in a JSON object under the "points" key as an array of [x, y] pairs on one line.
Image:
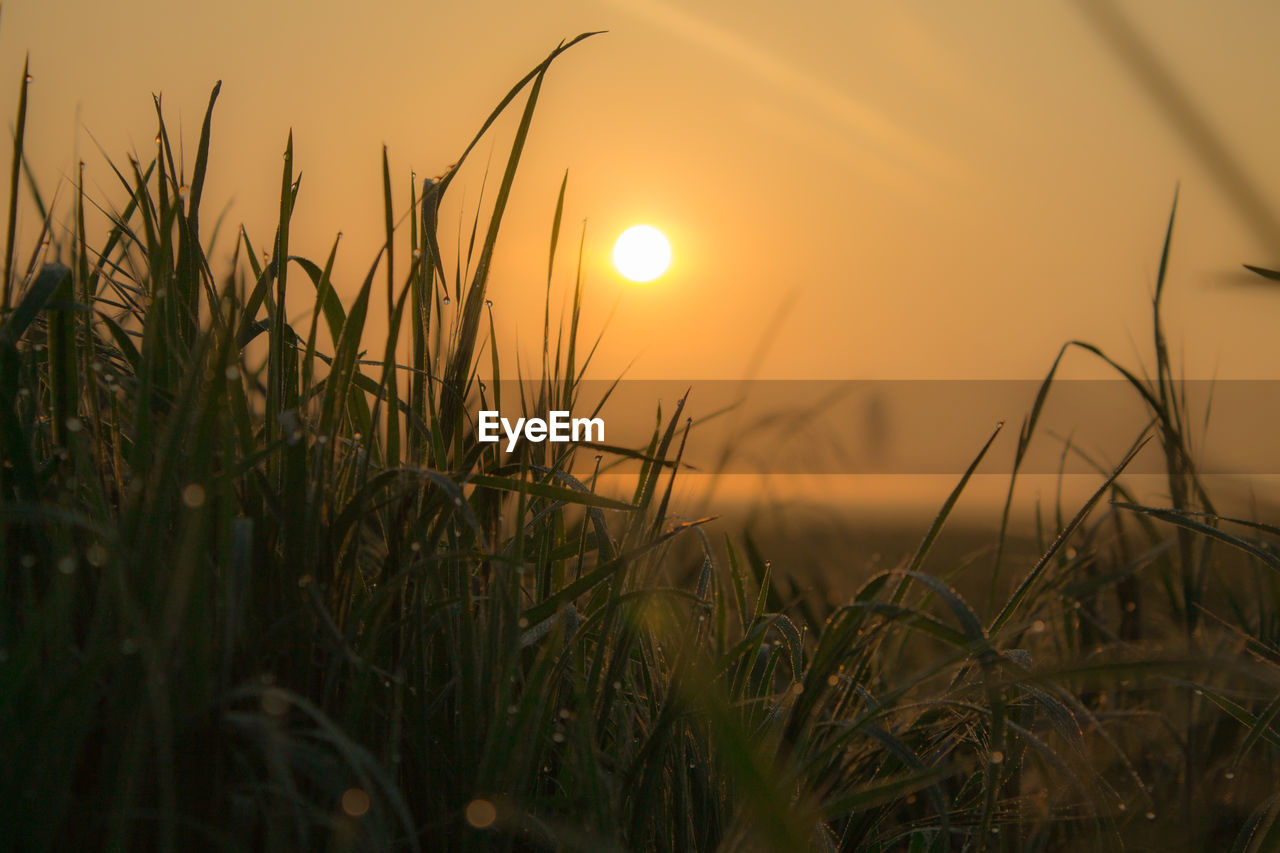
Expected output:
{"points": [[642, 253]]}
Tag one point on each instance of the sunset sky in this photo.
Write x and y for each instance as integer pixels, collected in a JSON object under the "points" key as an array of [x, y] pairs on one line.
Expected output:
{"points": [[872, 190]]}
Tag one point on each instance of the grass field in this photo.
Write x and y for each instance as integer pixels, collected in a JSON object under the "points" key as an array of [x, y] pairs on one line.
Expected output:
{"points": [[265, 590]]}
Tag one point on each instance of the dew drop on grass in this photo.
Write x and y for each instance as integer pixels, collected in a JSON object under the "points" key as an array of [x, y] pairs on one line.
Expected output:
{"points": [[193, 495], [997, 757], [275, 702], [232, 373], [511, 709], [558, 737], [1230, 775], [67, 564], [488, 303], [1123, 807], [522, 622], [96, 555], [445, 300], [481, 813], [355, 802]]}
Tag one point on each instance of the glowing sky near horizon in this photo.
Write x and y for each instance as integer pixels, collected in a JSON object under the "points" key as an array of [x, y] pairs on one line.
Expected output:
{"points": [[871, 190]]}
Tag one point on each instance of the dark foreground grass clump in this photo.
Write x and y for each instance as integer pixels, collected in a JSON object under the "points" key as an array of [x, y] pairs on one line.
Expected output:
{"points": [[263, 590]]}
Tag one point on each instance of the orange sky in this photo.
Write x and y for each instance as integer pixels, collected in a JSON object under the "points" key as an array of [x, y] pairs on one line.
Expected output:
{"points": [[927, 189]]}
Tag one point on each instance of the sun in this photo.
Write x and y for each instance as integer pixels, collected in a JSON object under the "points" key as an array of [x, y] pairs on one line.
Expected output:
{"points": [[642, 253]]}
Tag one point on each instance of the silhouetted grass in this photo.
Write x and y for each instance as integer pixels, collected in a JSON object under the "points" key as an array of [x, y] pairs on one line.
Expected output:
{"points": [[292, 603]]}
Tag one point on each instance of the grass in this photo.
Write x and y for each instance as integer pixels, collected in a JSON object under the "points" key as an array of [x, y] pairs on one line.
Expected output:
{"points": [[288, 601]]}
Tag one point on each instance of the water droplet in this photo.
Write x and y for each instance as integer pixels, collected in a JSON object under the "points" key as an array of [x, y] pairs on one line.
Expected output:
{"points": [[1230, 775], [617, 685], [997, 757], [96, 555], [355, 802], [1124, 807], [1037, 627], [445, 300], [67, 564], [74, 425], [157, 139], [415, 547], [232, 373], [193, 495], [275, 702], [481, 813], [417, 253], [1151, 815], [30, 78], [488, 303], [557, 737], [522, 622]]}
